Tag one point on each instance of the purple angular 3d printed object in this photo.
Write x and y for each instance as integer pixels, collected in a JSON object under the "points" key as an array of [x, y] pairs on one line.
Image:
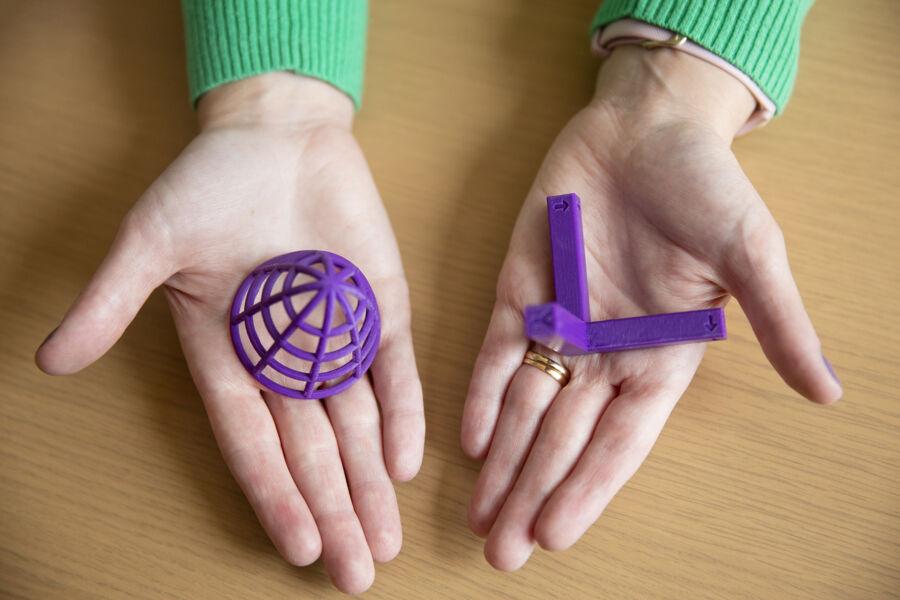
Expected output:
{"points": [[306, 324], [562, 325], [567, 252]]}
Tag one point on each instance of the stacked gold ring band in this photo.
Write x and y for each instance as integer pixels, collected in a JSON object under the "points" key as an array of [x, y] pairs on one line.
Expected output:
{"points": [[548, 366]]}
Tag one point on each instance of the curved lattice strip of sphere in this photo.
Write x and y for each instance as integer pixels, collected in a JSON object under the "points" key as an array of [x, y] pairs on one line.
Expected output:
{"points": [[306, 324]]}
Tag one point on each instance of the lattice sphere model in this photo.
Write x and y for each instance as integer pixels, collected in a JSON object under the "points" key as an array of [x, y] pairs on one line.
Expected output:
{"points": [[306, 324]]}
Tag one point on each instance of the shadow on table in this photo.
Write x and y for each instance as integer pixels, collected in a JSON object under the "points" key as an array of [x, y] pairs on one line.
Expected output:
{"points": [[550, 87]]}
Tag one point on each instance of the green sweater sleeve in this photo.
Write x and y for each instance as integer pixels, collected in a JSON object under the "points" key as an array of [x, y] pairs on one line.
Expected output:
{"points": [[759, 37], [228, 40]]}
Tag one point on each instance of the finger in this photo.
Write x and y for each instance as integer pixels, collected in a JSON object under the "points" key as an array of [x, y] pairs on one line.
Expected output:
{"points": [[249, 441], [314, 461], [762, 282], [500, 356], [623, 437], [357, 427], [564, 434], [399, 392], [529, 395], [139, 260]]}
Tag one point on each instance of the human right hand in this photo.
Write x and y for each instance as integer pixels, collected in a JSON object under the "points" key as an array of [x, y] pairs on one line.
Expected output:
{"points": [[275, 160]]}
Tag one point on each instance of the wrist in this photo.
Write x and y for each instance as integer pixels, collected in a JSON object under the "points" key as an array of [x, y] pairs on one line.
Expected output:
{"points": [[656, 87], [277, 98]]}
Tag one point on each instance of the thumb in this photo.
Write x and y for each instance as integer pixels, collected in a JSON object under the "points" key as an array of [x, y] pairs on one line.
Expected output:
{"points": [[139, 260], [761, 280]]}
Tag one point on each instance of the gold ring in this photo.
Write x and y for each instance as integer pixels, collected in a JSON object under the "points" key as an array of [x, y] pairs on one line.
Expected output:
{"points": [[548, 366]]}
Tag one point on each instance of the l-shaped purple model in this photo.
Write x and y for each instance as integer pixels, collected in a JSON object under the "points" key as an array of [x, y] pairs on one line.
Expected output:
{"points": [[563, 325]]}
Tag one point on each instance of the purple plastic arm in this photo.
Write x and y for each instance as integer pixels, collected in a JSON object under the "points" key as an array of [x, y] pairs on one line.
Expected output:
{"points": [[563, 326], [567, 251], [656, 330], [557, 328]]}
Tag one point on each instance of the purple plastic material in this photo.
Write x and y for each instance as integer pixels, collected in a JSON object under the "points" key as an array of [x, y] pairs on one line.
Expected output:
{"points": [[306, 324], [557, 328], [562, 325], [567, 243]]}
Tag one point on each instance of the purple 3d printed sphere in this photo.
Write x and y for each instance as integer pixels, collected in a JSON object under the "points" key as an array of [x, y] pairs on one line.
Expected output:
{"points": [[306, 324]]}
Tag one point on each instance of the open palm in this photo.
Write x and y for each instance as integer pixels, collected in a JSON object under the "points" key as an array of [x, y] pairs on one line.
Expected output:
{"points": [[317, 473], [671, 223]]}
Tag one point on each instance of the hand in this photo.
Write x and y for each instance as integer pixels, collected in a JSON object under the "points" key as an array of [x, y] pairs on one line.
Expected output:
{"points": [[275, 157], [671, 223]]}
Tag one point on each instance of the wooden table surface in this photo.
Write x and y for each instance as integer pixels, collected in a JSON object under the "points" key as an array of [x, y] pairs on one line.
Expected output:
{"points": [[112, 485]]}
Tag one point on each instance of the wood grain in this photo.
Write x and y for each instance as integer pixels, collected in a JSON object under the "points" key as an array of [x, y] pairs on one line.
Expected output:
{"points": [[112, 486]]}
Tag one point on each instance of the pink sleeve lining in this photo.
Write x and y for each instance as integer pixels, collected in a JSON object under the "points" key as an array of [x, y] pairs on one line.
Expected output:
{"points": [[630, 31]]}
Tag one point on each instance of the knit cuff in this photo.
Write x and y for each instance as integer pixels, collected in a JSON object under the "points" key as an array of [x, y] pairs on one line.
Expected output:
{"points": [[759, 37], [232, 39]]}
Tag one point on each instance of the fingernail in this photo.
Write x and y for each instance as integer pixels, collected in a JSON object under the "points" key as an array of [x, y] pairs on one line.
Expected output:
{"points": [[831, 369], [49, 337]]}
